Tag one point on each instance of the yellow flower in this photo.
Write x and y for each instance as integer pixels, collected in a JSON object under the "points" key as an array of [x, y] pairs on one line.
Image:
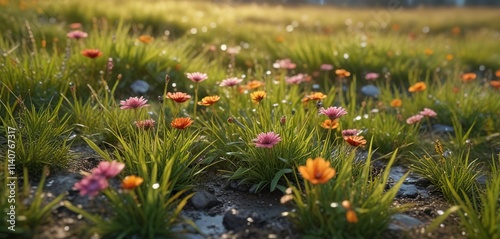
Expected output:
{"points": [[258, 96], [317, 171], [428, 51], [209, 100], [419, 86]]}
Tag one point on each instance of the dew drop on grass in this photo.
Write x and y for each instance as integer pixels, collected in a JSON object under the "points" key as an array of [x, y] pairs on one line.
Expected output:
{"points": [[174, 84], [334, 204], [156, 186]]}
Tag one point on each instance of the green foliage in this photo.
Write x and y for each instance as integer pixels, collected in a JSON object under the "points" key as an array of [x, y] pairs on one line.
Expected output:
{"points": [[319, 210]]}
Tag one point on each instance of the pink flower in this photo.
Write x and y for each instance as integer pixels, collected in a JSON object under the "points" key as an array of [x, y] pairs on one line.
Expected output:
{"points": [[428, 112], [133, 103], [145, 124], [91, 185], [296, 79], [266, 140], [197, 76], [77, 34], [414, 119], [284, 64], [350, 132], [230, 82], [108, 169], [333, 112], [326, 67], [372, 76]]}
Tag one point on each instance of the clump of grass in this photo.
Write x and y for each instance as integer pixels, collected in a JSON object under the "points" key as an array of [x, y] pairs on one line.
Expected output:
{"points": [[351, 203]]}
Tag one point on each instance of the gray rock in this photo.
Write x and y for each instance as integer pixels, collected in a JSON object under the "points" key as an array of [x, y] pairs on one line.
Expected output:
{"points": [[370, 90], [441, 129], [62, 183], [406, 221], [236, 219], [139, 87], [204, 199], [423, 182], [407, 191]]}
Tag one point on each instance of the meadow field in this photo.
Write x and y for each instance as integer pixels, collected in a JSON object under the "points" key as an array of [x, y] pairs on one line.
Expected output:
{"points": [[139, 101]]}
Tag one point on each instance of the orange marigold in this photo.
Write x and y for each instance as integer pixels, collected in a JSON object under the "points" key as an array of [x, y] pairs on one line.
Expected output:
{"points": [[396, 103], [209, 100], [131, 182], [317, 171], [181, 123], [468, 77], [92, 53], [253, 85], [314, 96], [355, 140], [258, 96], [329, 124], [428, 51], [419, 86], [495, 84], [342, 73], [497, 73], [146, 39], [351, 216]]}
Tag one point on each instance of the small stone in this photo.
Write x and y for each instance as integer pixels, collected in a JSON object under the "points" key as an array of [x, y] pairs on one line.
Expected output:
{"points": [[139, 87], [204, 199], [370, 90], [441, 129], [423, 182], [407, 191], [406, 221]]}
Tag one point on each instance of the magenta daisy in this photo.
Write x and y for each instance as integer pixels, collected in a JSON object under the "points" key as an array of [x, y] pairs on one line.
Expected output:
{"points": [[326, 67], [371, 76], [428, 112], [108, 169], [266, 140], [350, 132], [333, 112], [414, 119], [91, 185], [77, 34], [197, 76], [296, 79], [284, 64], [230, 82], [133, 103]]}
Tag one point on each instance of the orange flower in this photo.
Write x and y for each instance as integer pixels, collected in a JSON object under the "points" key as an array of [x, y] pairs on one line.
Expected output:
{"points": [[351, 216], [495, 84], [329, 124], [146, 39], [92, 53], [131, 182], [314, 96], [355, 140], [346, 204], [396, 103], [456, 30], [419, 86], [497, 73], [209, 100], [280, 39], [317, 171], [428, 51], [258, 96], [449, 57], [181, 123], [254, 84], [468, 77], [342, 73], [178, 97], [395, 27]]}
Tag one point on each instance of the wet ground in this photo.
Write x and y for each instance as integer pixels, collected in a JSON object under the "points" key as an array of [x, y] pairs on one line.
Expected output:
{"points": [[223, 209]]}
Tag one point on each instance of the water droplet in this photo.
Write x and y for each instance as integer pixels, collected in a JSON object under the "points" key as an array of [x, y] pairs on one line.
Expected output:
{"points": [[334, 204], [156, 186]]}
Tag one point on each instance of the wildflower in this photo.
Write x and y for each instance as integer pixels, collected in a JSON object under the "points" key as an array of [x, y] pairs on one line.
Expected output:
{"points": [[330, 124], [283, 119], [326, 67], [414, 119], [317, 171], [280, 39], [497, 73], [342, 73], [355, 140], [91, 185], [468, 77], [428, 51], [456, 30], [351, 216], [284, 64], [131, 182], [233, 50], [396, 103], [133, 103], [209, 100], [75, 25], [146, 39], [108, 169], [178, 97], [296, 79], [350, 132], [230, 82], [181, 123], [77, 34], [346, 204], [145, 124], [419, 86], [395, 27], [254, 84], [333, 112], [91, 53], [266, 140], [258, 96], [314, 96], [449, 57], [197, 76], [495, 84], [428, 112], [371, 76]]}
